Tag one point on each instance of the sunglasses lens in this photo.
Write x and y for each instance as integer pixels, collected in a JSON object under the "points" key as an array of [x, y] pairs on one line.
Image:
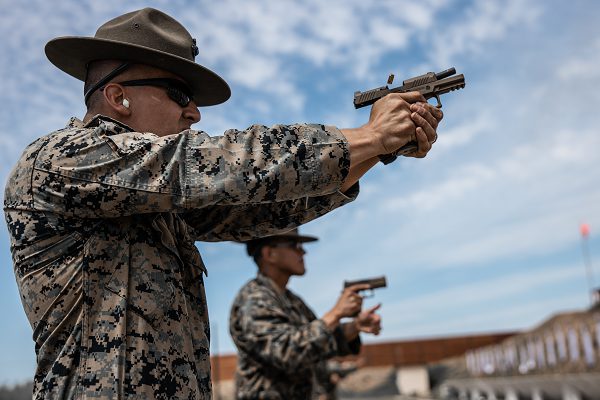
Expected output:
{"points": [[291, 245], [177, 91], [178, 96]]}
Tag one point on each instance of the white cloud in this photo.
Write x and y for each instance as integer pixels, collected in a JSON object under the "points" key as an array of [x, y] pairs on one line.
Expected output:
{"points": [[467, 179], [474, 294], [520, 164], [348, 34], [484, 22], [496, 319], [582, 67]]}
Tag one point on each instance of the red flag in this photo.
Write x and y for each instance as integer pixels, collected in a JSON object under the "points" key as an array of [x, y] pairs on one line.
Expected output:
{"points": [[585, 230]]}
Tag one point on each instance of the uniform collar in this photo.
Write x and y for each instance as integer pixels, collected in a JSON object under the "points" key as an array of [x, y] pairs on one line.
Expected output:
{"points": [[265, 280], [111, 125]]}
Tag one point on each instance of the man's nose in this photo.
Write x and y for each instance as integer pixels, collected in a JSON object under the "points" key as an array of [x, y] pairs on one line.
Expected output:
{"points": [[191, 112]]}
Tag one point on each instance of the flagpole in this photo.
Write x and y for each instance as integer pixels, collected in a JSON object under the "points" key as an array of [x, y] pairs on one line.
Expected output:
{"points": [[587, 260], [216, 363]]}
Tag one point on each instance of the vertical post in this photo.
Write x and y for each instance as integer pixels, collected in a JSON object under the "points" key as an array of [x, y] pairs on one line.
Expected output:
{"points": [[216, 361], [587, 260]]}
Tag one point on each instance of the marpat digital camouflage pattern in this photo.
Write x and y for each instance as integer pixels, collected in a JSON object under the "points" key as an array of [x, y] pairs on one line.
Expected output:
{"points": [[282, 346], [103, 221]]}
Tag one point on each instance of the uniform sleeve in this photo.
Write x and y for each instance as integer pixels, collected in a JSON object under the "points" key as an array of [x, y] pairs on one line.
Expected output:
{"points": [[344, 346], [245, 222], [90, 173], [263, 331]]}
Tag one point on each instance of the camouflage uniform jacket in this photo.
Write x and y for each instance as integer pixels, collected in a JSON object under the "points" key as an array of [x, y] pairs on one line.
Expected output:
{"points": [[282, 346], [103, 221]]}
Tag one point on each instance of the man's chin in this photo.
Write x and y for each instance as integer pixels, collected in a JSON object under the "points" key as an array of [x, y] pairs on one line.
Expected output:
{"points": [[185, 126]]}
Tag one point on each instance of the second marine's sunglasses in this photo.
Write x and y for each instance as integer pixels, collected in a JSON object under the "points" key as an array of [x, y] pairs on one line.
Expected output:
{"points": [[177, 91], [289, 244]]}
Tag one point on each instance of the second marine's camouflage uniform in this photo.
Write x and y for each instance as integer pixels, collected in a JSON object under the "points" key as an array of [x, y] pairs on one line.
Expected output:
{"points": [[103, 220], [282, 346]]}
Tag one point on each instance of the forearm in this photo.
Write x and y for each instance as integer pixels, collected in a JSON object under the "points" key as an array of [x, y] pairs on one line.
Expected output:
{"points": [[347, 338], [363, 144], [364, 150], [331, 319], [350, 330], [356, 172], [346, 334]]}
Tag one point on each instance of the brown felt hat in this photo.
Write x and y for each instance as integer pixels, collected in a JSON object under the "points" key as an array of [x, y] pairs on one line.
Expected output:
{"points": [[254, 245], [146, 36]]}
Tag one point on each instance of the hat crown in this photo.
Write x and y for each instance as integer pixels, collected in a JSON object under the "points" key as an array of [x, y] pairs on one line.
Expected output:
{"points": [[147, 36], [150, 28]]}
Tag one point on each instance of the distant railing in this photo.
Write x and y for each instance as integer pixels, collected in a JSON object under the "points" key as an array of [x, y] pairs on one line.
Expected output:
{"points": [[567, 343]]}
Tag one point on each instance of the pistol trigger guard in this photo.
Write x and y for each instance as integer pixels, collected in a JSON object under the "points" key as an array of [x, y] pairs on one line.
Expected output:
{"points": [[368, 294], [439, 101]]}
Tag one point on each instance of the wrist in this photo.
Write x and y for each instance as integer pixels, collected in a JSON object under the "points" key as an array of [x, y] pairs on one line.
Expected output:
{"points": [[331, 319], [375, 139], [364, 142]]}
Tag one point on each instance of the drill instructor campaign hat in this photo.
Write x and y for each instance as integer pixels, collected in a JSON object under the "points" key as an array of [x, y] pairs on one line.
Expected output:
{"points": [[146, 36], [254, 245]]}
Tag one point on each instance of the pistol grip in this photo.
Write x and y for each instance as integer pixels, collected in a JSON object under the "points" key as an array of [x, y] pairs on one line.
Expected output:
{"points": [[387, 158], [408, 148]]}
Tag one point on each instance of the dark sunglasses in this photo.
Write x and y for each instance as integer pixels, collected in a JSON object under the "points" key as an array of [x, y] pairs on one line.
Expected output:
{"points": [[291, 245], [177, 91]]}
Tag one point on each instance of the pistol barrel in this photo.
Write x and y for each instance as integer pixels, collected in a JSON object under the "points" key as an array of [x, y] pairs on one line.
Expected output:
{"points": [[446, 73], [374, 283]]}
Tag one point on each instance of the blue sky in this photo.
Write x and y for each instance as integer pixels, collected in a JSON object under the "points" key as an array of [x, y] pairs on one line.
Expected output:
{"points": [[480, 236]]}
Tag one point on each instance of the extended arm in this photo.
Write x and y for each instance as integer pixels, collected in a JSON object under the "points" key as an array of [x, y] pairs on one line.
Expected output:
{"points": [[111, 173]]}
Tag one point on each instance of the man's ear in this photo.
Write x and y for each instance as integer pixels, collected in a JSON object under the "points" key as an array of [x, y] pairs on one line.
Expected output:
{"points": [[114, 95], [266, 253]]}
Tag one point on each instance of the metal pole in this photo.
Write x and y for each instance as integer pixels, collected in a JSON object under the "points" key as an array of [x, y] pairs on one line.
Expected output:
{"points": [[217, 378], [587, 260]]}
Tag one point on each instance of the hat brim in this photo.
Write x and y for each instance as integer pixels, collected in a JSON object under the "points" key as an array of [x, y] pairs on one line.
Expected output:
{"points": [[254, 244], [295, 238], [72, 54]]}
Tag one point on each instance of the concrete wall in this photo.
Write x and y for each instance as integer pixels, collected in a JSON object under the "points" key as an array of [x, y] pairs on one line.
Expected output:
{"points": [[395, 354], [413, 381]]}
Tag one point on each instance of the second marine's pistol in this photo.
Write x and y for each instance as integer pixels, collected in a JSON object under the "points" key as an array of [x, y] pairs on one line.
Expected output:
{"points": [[374, 283]]}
